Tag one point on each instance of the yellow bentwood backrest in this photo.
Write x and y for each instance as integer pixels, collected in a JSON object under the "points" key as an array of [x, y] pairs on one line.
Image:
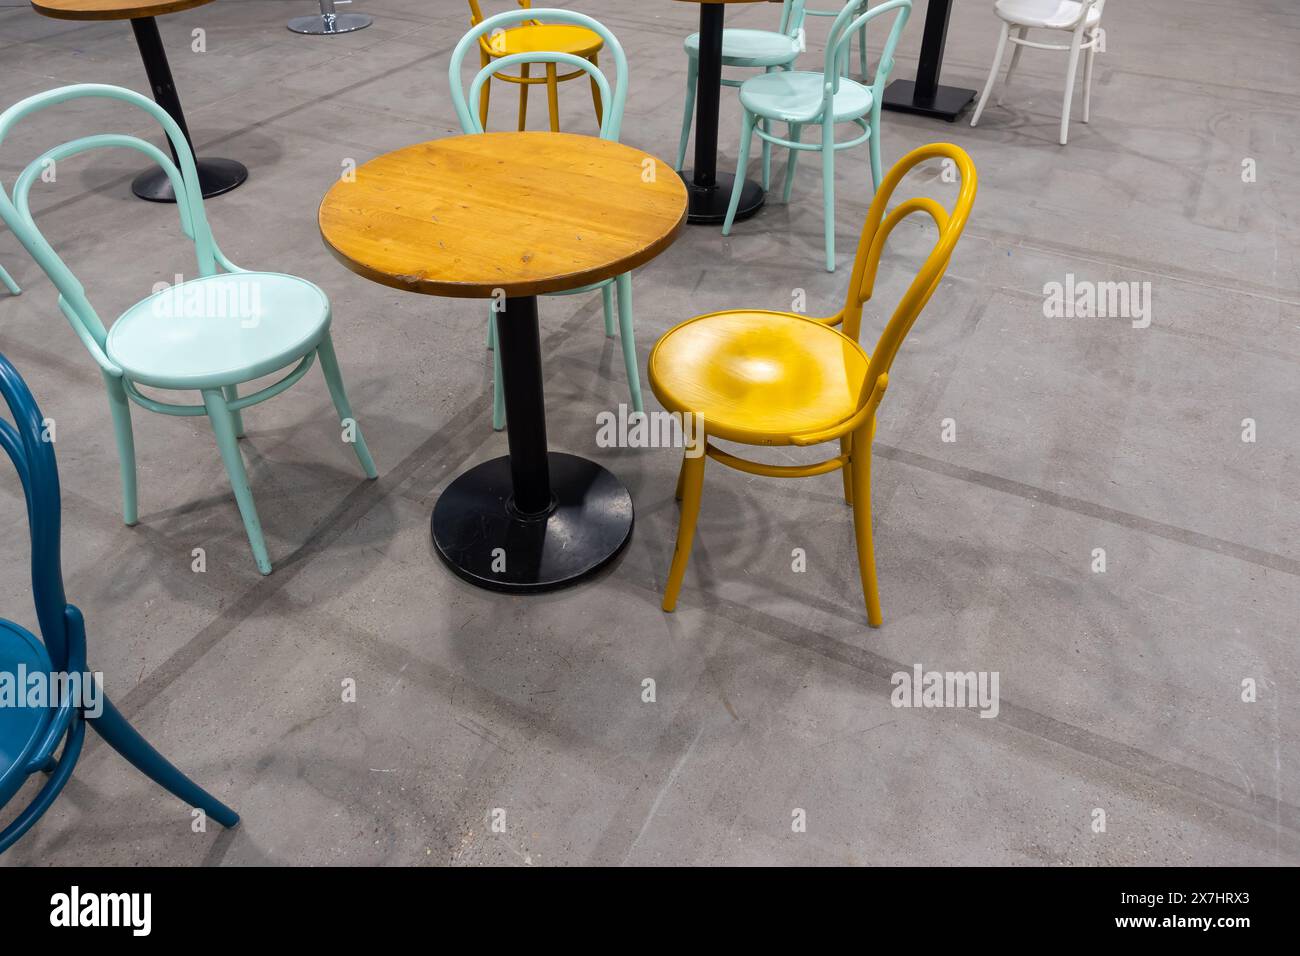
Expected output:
{"points": [[877, 229]]}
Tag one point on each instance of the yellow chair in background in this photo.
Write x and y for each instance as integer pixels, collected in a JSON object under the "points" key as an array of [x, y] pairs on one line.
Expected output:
{"points": [[533, 37], [778, 378]]}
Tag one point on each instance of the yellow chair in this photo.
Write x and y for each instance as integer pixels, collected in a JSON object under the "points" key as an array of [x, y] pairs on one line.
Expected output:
{"points": [[777, 378], [533, 37]]}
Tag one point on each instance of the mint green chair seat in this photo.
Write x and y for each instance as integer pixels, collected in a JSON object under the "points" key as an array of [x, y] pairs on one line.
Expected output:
{"points": [[765, 49], [164, 342], [211, 333], [791, 96], [750, 47], [822, 99]]}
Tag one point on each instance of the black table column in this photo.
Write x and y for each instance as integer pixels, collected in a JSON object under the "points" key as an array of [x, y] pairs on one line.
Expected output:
{"points": [[534, 520], [216, 176], [709, 190], [925, 96]]}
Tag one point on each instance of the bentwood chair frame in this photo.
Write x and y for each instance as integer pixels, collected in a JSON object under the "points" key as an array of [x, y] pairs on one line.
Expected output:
{"points": [[31, 736], [1086, 36], [781, 96], [219, 384], [611, 121], [854, 433], [745, 48], [492, 46]]}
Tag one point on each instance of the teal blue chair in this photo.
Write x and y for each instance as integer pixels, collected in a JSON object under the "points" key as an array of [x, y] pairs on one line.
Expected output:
{"points": [[9, 282], [209, 334], [610, 124], [764, 49], [47, 736], [824, 99]]}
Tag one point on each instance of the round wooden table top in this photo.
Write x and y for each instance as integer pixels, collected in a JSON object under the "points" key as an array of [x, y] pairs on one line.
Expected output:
{"points": [[526, 213], [111, 9]]}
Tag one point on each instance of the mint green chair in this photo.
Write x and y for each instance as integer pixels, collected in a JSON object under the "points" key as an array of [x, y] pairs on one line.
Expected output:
{"points": [[801, 99], [209, 334], [611, 123], [745, 48], [862, 41], [9, 282]]}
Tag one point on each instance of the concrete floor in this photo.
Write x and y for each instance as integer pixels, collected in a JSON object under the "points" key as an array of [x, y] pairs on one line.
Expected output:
{"points": [[1119, 691]]}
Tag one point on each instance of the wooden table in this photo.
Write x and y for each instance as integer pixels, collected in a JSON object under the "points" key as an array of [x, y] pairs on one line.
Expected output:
{"points": [[216, 176], [509, 216], [710, 190], [925, 96]]}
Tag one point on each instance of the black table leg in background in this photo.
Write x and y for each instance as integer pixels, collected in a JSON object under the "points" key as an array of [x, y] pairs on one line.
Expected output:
{"points": [[216, 176], [709, 190], [534, 520], [925, 96]]}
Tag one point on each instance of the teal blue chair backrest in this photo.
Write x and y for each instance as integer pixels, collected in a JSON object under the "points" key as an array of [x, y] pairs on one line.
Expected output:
{"points": [[17, 215], [849, 21], [611, 123]]}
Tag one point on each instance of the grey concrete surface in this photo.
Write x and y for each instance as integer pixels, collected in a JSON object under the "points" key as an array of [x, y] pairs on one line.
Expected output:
{"points": [[1119, 691]]}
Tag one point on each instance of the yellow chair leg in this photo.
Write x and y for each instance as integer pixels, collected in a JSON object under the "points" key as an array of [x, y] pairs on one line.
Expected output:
{"points": [[553, 97], [846, 449], [691, 484], [595, 93], [861, 479], [681, 478], [523, 95]]}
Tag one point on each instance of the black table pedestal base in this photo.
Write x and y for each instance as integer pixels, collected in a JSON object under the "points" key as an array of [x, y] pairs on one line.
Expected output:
{"points": [[484, 540], [710, 205], [216, 176], [947, 102]]}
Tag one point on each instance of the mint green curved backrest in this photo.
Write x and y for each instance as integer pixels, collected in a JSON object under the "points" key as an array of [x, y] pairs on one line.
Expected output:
{"points": [[17, 215], [611, 123], [849, 21], [792, 15]]}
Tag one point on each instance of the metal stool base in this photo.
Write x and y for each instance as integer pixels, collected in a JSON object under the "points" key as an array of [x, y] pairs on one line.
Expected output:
{"points": [[324, 25]]}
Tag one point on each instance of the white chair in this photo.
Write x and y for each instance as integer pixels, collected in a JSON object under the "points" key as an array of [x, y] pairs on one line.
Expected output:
{"points": [[1081, 18]]}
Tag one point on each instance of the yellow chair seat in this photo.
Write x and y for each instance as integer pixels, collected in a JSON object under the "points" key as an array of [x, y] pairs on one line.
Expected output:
{"points": [[759, 377], [545, 38]]}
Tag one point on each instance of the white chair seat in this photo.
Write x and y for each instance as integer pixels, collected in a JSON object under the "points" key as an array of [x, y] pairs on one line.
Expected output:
{"points": [[1052, 14]]}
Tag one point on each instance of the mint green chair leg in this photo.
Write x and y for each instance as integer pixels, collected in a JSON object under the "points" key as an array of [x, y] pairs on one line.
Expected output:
{"points": [[607, 302], [828, 191], [498, 390], [795, 130], [223, 427], [873, 146], [767, 150], [862, 60], [628, 339], [329, 366], [237, 417], [692, 73], [120, 407], [492, 330], [9, 282], [746, 134]]}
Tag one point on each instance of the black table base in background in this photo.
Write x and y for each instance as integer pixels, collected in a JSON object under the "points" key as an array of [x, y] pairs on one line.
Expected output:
{"points": [[216, 176], [708, 190], [925, 96], [535, 520]]}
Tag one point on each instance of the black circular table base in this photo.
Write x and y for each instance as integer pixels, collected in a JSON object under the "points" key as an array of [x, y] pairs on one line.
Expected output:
{"points": [[216, 176], [481, 537], [710, 205]]}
